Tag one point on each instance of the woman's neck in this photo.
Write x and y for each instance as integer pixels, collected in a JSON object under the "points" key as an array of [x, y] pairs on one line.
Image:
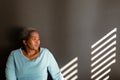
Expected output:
{"points": [[31, 54], [29, 51]]}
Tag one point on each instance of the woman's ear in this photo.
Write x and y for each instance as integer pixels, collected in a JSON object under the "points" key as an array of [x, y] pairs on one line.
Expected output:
{"points": [[24, 42]]}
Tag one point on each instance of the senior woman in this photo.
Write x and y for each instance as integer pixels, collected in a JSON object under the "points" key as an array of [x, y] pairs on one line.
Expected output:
{"points": [[30, 61]]}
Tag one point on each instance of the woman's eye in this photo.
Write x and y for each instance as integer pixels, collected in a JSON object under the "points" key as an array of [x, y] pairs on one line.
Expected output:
{"points": [[35, 39]]}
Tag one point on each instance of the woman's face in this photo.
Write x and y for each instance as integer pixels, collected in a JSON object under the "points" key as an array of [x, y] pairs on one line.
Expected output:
{"points": [[33, 42]]}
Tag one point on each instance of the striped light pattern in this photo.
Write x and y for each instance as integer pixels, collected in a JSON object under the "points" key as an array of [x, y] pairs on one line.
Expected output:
{"points": [[103, 56], [69, 71]]}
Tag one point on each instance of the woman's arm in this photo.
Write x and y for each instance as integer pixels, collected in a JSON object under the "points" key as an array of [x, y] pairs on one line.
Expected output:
{"points": [[54, 69], [10, 68]]}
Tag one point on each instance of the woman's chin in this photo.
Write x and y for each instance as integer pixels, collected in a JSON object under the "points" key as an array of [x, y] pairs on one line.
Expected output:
{"points": [[36, 48]]}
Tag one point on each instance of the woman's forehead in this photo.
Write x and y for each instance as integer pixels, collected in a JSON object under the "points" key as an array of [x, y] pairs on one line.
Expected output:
{"points": [[32, 34]]}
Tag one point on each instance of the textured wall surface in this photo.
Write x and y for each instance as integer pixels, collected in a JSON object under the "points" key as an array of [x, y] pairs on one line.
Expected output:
{"points": [[67, 27]]}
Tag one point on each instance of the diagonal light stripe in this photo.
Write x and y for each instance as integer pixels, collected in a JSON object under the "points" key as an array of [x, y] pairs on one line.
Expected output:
{"points": [[100, 51], [71, 74], [113, 43], [70, 69], [98, 66], [98, 60], [114, 30], [98, 72], [114, 36], [106, 78], [67, 65], [106, 72], [74, 78]]}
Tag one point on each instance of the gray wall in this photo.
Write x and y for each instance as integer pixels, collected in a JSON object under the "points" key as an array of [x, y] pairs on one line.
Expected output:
{"points": [[67, 27]]}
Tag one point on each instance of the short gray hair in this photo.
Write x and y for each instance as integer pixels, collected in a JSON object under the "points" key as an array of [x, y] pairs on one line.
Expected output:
{"points": [[26, 32]]}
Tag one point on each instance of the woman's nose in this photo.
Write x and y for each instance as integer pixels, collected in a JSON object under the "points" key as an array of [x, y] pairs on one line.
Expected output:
{"points": [[38, 41]]}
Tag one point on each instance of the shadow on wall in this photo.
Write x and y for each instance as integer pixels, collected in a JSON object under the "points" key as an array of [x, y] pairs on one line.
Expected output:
{"points": [[13, 39]]}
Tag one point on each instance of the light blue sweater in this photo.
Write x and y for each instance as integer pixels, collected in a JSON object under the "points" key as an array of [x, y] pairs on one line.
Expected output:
{"points": [[19, 67]]}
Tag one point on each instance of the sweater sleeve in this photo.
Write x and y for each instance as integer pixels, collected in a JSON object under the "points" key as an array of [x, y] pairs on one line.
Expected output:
{"points": [[10, 68], [53, 68]]}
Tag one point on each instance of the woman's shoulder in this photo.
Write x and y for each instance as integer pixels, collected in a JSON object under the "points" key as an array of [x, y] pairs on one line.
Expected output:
{"points": [[45, 50], [46, 53], [15, 51]]}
